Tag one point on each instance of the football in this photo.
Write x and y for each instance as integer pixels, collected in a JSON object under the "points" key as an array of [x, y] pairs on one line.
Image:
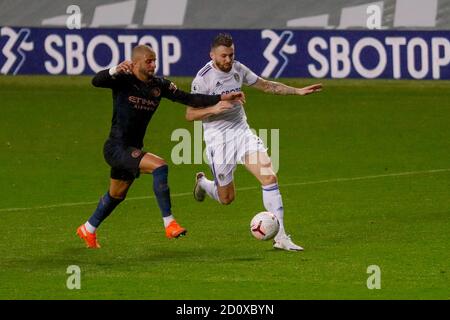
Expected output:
{"points": [[264, 226]]}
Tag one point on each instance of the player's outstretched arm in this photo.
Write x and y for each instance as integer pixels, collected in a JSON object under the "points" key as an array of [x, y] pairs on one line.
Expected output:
{"points": [[197, 100], [235, 97], [274, 87], [203, 113]]}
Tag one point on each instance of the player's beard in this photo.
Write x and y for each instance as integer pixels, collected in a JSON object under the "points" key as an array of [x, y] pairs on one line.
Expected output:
{"points": [[225, 67], [147, 72]]}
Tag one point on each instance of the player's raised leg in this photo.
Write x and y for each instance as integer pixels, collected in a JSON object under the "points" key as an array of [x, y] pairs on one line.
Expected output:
{"points": [[260, 165], [222, 162], [204, 186], [199, 191], [108, 202], [155, 165]]}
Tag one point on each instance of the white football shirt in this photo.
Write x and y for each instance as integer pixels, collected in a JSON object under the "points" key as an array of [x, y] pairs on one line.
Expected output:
{"points": [[210, 80]]}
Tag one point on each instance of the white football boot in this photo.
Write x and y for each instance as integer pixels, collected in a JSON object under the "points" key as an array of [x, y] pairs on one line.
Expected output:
{"points": [[284, 242], [199, 192]]}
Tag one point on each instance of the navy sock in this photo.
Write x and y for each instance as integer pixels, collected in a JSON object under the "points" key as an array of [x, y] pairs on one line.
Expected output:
{"points": [[104, 208], [161, 189]]}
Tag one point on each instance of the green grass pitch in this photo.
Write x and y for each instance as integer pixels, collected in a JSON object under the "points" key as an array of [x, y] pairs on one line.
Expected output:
{"points": [[364, 174]]}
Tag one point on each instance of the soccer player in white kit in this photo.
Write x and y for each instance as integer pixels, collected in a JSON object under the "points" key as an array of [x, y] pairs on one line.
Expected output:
{"points": [[227, 135]]}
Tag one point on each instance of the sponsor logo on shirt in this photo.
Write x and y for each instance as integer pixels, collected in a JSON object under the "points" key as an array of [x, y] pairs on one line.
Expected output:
{"points": [[143, 104], [232, 90]]}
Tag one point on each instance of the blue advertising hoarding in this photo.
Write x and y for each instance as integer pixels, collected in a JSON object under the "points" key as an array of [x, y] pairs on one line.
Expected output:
{"points": [[269, 53]]}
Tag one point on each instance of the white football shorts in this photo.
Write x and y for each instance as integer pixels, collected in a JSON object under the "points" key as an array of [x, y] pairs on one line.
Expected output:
{"points": [[224, 157]]}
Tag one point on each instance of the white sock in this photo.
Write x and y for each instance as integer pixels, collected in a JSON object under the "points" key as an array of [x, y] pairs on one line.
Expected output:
{"points": [[273, 203], [89, 227], [168, 220], [210, 188]]}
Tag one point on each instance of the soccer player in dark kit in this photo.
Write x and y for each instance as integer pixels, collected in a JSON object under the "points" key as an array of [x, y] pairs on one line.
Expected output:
{"points": [[136, 96]]}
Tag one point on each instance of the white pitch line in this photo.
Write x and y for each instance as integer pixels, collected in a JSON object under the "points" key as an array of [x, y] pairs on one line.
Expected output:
{"points": [[399, 174]]}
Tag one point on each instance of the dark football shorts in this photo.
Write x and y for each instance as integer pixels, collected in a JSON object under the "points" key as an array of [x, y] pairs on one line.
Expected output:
{"points": [[123, 160]]}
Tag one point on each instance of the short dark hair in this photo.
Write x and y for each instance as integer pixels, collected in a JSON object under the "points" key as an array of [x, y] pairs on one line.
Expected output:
{"points": [[222, 39]]}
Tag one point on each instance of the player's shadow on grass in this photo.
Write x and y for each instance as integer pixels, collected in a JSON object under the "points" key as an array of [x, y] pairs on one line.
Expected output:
{"points": [[109, 259], [207, 255], [104, 255], [244, 259]]}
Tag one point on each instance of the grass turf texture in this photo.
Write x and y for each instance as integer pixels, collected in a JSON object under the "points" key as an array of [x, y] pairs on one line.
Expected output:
{"points": [[52, 131]]}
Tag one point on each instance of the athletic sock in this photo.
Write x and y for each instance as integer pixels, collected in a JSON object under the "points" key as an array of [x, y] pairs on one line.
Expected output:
{"points": [[104, 208], [167, 220], [273, 203], [161, 190], [89, 227], [210, 188]]}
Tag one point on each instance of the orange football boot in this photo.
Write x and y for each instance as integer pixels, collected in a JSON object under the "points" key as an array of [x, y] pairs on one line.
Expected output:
{"points": [[89, 238], [174, 230]]}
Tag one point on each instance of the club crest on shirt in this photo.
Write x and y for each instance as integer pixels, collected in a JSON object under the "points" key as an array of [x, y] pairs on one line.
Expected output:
{"points": [[236, 77], [221, 176], [195, 87], [156, 92]]}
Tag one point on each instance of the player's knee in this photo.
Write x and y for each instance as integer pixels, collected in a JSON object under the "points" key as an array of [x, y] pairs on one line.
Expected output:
{"points": [[118, 194], [150, 167], [161, 163], [226, 199], [268, 179]]}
